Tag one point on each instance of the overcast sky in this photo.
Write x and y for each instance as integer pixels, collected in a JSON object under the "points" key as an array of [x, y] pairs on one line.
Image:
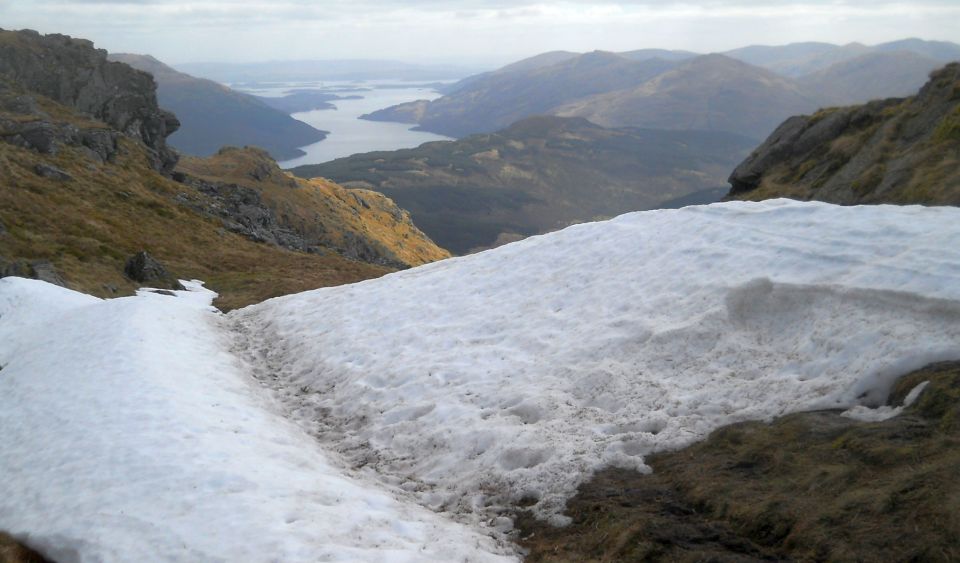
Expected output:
{"points": [[481, 32]]}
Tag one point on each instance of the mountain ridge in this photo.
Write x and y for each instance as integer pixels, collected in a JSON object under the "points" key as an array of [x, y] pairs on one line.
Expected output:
{"points": [[805, 76], [501, 98]]}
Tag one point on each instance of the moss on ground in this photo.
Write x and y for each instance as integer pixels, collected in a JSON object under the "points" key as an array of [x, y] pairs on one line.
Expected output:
{"points": [[809, 487], [949, 128]]}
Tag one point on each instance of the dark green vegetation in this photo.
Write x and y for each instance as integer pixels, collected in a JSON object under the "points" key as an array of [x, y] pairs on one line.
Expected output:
{"points": [[806, 487], [212, 115], [538, 175], [890, 151], [83, 192], [746, 91]]}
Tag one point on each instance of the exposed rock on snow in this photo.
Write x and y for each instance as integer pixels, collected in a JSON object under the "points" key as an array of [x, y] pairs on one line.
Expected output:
{"points": [[41, 270], [143, 268], [515, 373]]}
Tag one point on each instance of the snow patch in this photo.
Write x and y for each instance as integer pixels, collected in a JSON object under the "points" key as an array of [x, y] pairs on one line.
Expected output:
{"points": [[131, 434], [517, 372], [884, 412], [192, 292]]}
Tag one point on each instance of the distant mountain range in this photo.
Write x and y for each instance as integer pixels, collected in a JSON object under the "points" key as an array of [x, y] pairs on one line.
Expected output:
{"points": [[800, 59], [746, 91], [527, 88], [709, 92], [213, 115], [540, 174]]}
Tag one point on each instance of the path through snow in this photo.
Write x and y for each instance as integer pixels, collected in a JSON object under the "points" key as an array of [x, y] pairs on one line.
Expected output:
{"points": [[130, 433]]}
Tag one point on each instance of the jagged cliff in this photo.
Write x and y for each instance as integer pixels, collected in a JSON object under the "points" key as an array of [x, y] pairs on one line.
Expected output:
{"points": [[887, 151], [72, 72], [213, 115], [88, 182]]}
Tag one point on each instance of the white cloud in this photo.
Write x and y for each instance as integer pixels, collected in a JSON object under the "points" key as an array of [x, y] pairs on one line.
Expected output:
{"points": [[498, 30]]}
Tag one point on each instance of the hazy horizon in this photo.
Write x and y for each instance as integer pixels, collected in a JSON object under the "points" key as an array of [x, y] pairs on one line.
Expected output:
{"points": [[467, 32]]}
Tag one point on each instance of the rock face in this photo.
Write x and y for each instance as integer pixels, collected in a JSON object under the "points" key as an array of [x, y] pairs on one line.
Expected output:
{"points": [[143, 268], [41, 270], [74, 73], [48, 137], [253, 197], [887, 151], [243, 212], [52, 172], [213, 116]]}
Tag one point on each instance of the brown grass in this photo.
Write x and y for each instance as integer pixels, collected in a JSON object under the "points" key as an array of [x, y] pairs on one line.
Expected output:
{"points": [[810, 487], [88, 227]]}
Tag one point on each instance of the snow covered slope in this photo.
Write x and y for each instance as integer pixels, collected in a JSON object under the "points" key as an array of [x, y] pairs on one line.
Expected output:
{"points": [[128, 432], [514, 373], [139, 428]]}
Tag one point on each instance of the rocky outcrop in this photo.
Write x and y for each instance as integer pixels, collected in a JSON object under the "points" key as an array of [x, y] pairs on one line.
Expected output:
{"points": [[238, 118], [242, 211], [143, 268], [52, 172], [41, 270], [47, 137], [72, 72], [253, 197], [886, 151]]}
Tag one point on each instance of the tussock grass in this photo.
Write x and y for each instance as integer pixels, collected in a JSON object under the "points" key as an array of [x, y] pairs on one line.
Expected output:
{"points": [[810, 487]]}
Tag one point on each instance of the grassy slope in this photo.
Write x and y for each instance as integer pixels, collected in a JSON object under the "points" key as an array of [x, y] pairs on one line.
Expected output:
{"points": [[909, 154], [89, 226], [320, 208], [810, 486]]}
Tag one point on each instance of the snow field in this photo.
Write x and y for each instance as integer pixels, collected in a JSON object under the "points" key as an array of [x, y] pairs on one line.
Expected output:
{"points": [[515, 373], [139, 429], [130, 433]]}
